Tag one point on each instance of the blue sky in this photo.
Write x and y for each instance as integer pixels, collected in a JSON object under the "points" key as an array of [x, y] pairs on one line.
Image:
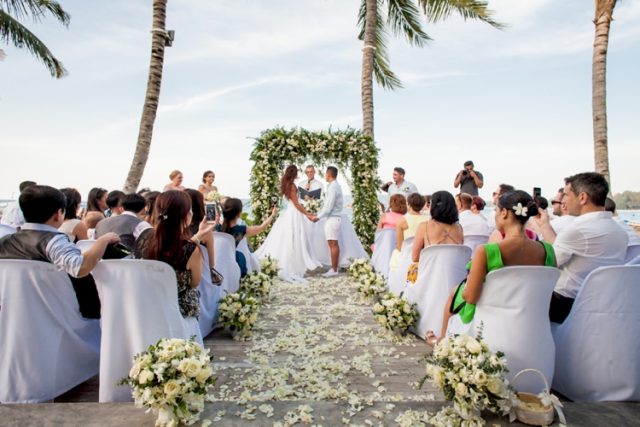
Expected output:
{"points": [[517, 101]]}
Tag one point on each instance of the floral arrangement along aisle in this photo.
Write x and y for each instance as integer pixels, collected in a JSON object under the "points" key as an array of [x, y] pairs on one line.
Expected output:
{"points": [[172, 379], [348, 149], [472, 377], [256, 284], [395, 313], [238, 312], [360, 267], [269, 266]]}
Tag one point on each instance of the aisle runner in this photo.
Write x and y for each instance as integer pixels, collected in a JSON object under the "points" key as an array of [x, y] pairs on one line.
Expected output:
{"points": [[318, 342]]}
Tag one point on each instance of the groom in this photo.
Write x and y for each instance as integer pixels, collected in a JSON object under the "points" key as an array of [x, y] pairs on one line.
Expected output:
{"points": [[332, 210]]}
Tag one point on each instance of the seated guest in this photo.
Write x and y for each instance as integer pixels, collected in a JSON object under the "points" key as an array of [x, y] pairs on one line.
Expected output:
{"points": [[477, 205], [176, 181], [114, 206], [12, 215], [427, 206], [129, 225], [40, 240], [72, 225], [150, 199], [593, 240], [610, 206], [496, 236], [532, 224], [513, 210], [198, 212], [407, 226], [207, 183], [397, 209], [231, 211], [443, 227], [472, 224], [561, 217], [96, 205], [502, 188], [171, 242]]}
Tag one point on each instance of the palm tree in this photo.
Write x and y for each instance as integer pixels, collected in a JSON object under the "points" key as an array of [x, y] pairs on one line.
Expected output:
{"points": [[602, 21], [159, 37], [13, 32], [402, 18]]}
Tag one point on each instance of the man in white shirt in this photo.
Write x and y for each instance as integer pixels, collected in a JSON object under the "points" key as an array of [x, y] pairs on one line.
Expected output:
{"points": [[399, 185], [12, 214], [561, 215], [310, 183], [332, 210], [472, 224], [593, 240], [491, 218]]}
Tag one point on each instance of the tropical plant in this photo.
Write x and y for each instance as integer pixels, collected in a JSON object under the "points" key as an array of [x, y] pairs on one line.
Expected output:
{"points": [[13, 32], [159, 38], [602, 21], [402, 18]]}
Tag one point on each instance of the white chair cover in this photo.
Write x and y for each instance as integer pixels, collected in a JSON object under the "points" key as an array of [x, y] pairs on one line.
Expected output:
{"points": [[350, 245], [253, 263], [210, 295], [634, 261], [46, 346], [514, 312], [398, 278], [84, 245], [632, 252], [225, 254], [139, 306], [5, 230], [384, 244], [598, 345], [472, 241], [441, 269]]}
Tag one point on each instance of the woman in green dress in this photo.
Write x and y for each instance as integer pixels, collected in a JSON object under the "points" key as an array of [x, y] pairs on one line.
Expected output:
{"points": [[512, 213]]}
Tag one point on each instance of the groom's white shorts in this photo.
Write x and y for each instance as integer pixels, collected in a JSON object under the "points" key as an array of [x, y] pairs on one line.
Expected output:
{"points": [[332, 227]]}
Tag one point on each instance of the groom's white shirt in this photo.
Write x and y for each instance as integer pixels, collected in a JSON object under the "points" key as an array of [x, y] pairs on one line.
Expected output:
{"points": [[333, 202]]}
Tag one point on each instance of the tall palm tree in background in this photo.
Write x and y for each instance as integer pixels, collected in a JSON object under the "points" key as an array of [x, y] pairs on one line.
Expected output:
{"points": [[13, 32], [403, 19], [158, 41], [602, 21]]}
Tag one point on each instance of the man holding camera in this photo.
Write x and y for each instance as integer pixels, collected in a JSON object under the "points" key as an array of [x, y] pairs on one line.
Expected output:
{"points": [[469, 179]]}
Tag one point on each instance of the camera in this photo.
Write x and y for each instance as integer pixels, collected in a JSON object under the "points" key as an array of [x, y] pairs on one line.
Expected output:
{"points": [[465, 172]]}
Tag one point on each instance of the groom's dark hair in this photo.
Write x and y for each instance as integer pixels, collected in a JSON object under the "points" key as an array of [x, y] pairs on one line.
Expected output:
{"points": [[333, 170]]}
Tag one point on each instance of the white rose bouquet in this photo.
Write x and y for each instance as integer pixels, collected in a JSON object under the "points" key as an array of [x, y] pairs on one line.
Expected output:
{"points": [[257, 284], [472, 377], [238, 312], [360, 267], [312, 206], [371, 284], [172, 379], [269, 266], [213, 197], [395, 313]]}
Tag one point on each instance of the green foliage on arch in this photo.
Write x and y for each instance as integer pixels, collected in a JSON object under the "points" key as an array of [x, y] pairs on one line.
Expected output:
{"points": [[347, 150]]}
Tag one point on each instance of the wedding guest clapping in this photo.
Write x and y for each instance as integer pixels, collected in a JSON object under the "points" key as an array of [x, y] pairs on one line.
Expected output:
{"points": [[176, 181]]}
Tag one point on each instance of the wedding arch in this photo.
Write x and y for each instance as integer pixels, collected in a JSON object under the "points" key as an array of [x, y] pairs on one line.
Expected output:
{"points": [[349, 150]]}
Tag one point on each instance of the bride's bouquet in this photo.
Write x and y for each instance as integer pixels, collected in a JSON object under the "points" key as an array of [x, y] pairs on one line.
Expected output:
{"points": [[472, 377], [312, 206], [395, 313], [172, 379], [238, 312], [213, 197], [257, 284]]}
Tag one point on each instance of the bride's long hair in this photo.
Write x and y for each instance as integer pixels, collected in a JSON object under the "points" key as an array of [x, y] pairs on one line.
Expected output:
{"points": [[290, 174]]}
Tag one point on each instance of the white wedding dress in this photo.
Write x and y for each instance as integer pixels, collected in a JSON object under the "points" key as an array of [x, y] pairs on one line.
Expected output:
{"points": [[289, 243]]}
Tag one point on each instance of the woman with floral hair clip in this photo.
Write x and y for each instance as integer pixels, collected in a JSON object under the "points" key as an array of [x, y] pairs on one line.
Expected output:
{"points": [[512, 213]]}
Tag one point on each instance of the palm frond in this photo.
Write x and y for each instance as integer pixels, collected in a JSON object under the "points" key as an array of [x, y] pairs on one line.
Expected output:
{"points": [[403, 18], [35, 9], [437, 10], [12, 31], [386, 78]]}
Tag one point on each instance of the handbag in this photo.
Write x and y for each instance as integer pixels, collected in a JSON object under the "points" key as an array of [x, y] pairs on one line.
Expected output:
{"points": [[216, 277]]}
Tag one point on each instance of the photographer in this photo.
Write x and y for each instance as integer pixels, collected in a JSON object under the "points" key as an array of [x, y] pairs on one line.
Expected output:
{"points": [[469, 179]]}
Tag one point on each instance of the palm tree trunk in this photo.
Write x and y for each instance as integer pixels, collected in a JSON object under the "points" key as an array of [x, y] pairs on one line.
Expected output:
{"points": [[367, 67], [602, 21], [158, 37]]}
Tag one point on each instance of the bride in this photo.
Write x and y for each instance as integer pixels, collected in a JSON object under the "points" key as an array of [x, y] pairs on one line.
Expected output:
{"points": [[288, 240]]}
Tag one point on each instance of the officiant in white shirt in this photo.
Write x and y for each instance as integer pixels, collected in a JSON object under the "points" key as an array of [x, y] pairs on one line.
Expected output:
{"points": [[310, 183]]}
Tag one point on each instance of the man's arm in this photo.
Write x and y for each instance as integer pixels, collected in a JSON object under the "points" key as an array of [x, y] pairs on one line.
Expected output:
{"points": [[67, 256], [477, 178], [548, 233], [329, 202], [456, 182]]}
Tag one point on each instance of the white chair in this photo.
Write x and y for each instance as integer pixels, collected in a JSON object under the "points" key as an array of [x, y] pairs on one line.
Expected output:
{"points": [[441, 269], [46, 346], [634, 261], [253, 263], [350, 245], [5, 230], [472, 241], [384, 244], [632, 252], [398, 278], [139, 306], [225, 254], [84, 245], [210, 295], [514, 312], [598, 345]]}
